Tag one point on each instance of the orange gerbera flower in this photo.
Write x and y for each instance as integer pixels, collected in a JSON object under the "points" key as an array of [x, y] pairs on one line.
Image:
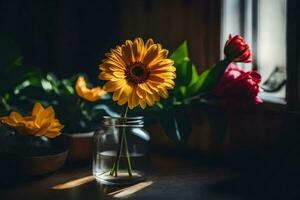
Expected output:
{"points": [[138, 73], [89, 94], [41, 122]]}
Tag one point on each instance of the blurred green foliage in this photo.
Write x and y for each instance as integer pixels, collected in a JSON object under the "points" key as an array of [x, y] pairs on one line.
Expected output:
{"points": [[190, 86], [21, 87], [76, 114]]}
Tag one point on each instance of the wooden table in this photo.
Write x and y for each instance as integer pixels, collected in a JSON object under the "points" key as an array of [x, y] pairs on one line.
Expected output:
{"points": [[170, 178]]}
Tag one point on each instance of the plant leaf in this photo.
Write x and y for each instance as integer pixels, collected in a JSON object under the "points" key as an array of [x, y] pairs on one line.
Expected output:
{"points": [[194, 75], [185, 72], [183, 65], [213, 75], [176, 125], [54, 82], [180, 53], [194, 88]]}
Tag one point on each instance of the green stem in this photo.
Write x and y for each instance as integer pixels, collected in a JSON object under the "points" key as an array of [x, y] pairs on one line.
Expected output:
{"points": [[128, 157], [119, 152], [123, 140], [115, 168]]}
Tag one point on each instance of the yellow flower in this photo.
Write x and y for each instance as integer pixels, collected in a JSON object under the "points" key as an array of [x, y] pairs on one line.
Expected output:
{"points": [[42, 122], [138, 73], [89, 94]]}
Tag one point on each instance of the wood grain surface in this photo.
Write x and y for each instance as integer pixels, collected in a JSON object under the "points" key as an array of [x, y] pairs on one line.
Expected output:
{"points": [[170, 178]]}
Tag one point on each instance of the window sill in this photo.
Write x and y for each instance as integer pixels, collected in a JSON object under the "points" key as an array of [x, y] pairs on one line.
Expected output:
{"points": [[273, 103]]}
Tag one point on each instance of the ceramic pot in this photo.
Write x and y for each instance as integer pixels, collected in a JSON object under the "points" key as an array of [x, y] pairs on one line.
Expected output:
{"points": [[80, 146], [30, 155]]}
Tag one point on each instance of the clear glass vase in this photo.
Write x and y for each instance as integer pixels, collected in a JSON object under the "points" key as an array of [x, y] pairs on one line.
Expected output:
{"points": [[121, 151]]}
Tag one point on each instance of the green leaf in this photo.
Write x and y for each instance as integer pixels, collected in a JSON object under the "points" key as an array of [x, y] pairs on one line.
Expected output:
{"points": [[68, 86], [194, 75], [194, 88], [52, 78], [182, 90], [179, 93], [46, 85], [184, 72], [182, 63], [208, 79], [213, 75], [180, 53], [176, 125], [54, 82]]}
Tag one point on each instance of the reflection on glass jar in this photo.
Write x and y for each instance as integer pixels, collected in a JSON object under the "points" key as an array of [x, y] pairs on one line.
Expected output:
{"points": [[121, 151]]}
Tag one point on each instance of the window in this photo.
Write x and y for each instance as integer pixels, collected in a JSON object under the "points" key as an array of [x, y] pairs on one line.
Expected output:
{"points": [[263, 24]]}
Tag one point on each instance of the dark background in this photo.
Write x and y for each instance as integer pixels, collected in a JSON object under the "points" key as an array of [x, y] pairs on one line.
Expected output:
{"points": [[70, 36]]}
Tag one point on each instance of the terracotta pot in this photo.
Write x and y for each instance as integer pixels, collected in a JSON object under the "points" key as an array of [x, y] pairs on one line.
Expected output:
{"points": [[38, 165], [16, 165], [80, 146]]}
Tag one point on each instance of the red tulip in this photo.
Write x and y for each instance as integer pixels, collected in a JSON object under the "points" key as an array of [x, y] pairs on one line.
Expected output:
{"points": [[237, 49], [238, 86]]}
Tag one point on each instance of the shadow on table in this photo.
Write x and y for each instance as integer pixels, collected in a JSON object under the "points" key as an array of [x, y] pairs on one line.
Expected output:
{"points": [[257, 188]]}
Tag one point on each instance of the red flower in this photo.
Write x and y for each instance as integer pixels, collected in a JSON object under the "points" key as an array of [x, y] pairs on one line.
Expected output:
{"points": [[237, 49], [239, 86]]}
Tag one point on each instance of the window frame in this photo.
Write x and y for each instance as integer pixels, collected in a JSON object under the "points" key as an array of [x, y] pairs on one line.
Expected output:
{"points": [[293, 55], [291, 102]]}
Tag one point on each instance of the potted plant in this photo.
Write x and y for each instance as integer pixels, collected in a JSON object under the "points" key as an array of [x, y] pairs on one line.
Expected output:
{"points": [[213, 92], [78, 106], [29, 146]]}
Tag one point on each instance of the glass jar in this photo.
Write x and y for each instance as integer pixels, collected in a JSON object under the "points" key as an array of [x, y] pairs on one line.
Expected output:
{"points": [[121, 151]]}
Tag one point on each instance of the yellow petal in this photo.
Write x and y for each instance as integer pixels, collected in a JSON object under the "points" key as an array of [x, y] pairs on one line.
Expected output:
{"points": [[16, 117], [37, 108], [135, 98], [106, 76], [145, 87], [143, 103], [149, 43], [52, 134], [111, 86], [117, 94], [149, 100], [138, 49], [150, 54], [141, 93], [123, 99], [162, 63], [125, 95], [163, 92], [89, 94]]}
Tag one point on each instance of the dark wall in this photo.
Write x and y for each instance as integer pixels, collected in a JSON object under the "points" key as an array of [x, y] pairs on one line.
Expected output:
{"points": [[61, 36], [68, 36], [173, 21]]}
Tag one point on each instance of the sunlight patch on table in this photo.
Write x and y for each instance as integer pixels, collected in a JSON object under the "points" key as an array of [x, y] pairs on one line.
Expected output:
{"points": [[125, 192], [74, 183]]}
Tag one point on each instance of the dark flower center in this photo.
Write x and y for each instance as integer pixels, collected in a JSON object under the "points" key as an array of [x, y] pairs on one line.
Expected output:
{"points": [[137, 73]]}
